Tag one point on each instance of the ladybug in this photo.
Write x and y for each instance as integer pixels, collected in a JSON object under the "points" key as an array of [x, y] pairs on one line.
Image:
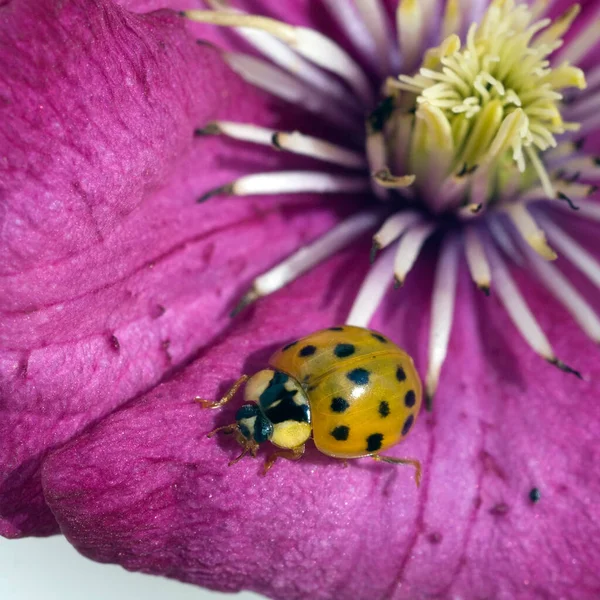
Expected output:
{"points": [[352, 388]]}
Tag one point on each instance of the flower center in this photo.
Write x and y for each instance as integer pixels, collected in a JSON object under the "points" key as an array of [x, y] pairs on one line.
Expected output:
{"points": [[471, 123]]}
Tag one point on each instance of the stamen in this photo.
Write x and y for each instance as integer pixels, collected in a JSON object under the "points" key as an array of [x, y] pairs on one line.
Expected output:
{"points": [[289, 60], [410, 24], [245, 132], [519, 312], [311, 44], [529, 230], [345, 16], [372, 290], [385, 179], [580, 45], [376, 21], [477, 261], [290, 182], [291, 141], [572, 250], [442, 311], [564, 291], [394, 227], [408, 249], [452, 19], [307, 257], [282, 85]]}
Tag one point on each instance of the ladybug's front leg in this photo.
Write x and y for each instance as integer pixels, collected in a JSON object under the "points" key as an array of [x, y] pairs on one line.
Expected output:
{"points": [[290, 454], [226, 398]]}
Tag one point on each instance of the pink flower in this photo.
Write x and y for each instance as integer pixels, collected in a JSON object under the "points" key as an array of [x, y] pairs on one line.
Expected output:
{"points": [[118, 286]]}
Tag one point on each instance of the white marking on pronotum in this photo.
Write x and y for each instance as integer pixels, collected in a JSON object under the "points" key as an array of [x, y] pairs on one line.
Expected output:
{"points": [[308, 256], [442, 311], [311, 44], [290, 182]]}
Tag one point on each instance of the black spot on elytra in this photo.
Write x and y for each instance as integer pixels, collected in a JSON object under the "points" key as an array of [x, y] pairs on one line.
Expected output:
{"points": [[339, 405], [336, 329], [379, 338], [408, 424], [341, 433], [384, 408], [358, 376], [400, 374], [307, 351], [410, 399], [290, 345], [344, 350], [534, 495], [374, 442]]}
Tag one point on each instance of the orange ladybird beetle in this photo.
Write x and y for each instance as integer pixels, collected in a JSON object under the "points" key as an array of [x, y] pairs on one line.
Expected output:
{"points": [[355, 390]]}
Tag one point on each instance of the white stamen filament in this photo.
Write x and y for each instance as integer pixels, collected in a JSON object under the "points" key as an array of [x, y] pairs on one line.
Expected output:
{"points": [[319, 149], [452, 18], [476, 260], [345, 16], [372, 290], [376, 21], [442, 311], [408, 249], [531, 233], [564, 291], [409, 23], [291, 182], [516, 307], [394, 227], [581, 45], [293, 141], [285, 57], [309, 43], [572, 250], [307, 257], [285, 86]]}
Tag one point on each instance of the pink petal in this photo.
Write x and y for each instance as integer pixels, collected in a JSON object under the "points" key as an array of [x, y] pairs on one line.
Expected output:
{"points": [[111, 275], [146, 489]]}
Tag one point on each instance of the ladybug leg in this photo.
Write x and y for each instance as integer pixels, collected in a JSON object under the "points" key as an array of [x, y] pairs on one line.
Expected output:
{"points": [[248, 446], [290, 454], [402, 461], [226, 398], [225, 429]]}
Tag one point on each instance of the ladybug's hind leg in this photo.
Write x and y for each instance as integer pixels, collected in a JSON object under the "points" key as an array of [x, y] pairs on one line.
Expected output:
{"points": [[226, 398], [291, 454], [413, 462]]}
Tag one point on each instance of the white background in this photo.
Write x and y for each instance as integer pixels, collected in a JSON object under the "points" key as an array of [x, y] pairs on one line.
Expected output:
{"points": [[50, 569]]}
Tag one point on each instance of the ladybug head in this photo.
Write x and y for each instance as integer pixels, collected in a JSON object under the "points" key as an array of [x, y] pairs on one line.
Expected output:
{"points": [[274, 401]]}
